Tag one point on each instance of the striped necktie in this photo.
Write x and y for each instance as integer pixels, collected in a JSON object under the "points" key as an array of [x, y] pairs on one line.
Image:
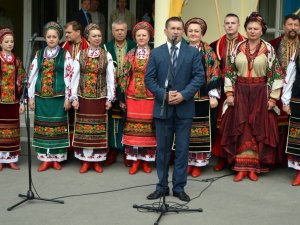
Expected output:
{"points": [[174, 56]]}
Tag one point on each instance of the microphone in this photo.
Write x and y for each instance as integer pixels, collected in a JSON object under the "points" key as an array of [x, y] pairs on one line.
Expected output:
{"points": [[174, 37], [33, 37]]}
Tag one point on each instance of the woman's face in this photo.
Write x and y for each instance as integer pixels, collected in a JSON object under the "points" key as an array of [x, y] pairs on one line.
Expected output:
{"points": [[52, 38], [254, 31], [142, 37], [194, 33], [7, 43], [95, 38]]}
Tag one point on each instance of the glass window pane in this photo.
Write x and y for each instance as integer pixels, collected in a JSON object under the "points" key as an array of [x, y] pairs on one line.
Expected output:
{"points": [[267, 8], [268, 36]]}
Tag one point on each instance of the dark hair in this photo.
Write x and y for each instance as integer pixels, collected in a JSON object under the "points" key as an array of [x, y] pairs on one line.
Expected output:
{"points": [[291, 16], [256, 17], [174, 19], [232, 15], [75, 25], [85, 0]]}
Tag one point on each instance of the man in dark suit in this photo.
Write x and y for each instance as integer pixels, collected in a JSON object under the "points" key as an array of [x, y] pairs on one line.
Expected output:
{"points": [[83, 16], [187, 75]]}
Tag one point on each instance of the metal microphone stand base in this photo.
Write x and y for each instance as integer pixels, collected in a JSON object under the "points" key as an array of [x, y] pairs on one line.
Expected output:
{"points": [[165, 208], [30, 196]]}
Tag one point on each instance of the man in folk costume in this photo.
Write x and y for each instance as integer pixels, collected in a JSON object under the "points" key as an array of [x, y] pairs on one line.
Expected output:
{"points": [[290, 100], [117, 47], [286, 46], [74, 43], [74, 40], [223, 47]]}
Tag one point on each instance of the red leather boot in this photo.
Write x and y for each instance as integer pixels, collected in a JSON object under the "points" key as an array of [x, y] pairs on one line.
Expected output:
{"points": [[56, 165], [253, 176], [146, 167], [13, 166], [296, 181], [190, 169], [111, 157], [196, 171], [135, 167], [220, 165], [44, 166], [240, 176], [127, 163], [97, 167], [85, 167]]}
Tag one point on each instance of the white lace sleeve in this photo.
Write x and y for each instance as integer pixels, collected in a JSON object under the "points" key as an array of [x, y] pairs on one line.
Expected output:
{"points": [[214, 93], [288, 83], [33, 74], [68, 73], [75, 78], [110, 78]]}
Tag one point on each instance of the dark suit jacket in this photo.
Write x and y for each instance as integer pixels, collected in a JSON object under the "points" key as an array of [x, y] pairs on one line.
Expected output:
{"points": [[188, 78], [79, 16]]}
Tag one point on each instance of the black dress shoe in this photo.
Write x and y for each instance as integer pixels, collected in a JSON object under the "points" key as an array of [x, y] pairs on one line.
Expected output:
{"points": [[182, 196], [157, 194]]}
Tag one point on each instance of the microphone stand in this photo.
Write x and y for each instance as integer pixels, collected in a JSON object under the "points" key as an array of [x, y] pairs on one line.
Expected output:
{"points": [[164, 208], [30, 195]]}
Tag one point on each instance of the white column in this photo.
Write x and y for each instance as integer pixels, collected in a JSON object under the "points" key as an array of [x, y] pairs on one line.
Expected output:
{"points": [[27, 15], [161, 15]]}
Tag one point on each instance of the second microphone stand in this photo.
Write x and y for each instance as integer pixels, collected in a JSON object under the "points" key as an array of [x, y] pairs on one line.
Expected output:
{"points": [[29, 195], [164, 208]]}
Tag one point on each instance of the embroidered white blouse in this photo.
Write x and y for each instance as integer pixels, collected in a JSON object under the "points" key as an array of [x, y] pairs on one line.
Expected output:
{"points": [[110, 74], [68, 71]]}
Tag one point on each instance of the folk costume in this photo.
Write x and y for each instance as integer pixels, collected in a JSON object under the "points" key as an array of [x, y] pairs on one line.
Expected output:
{"points": [[291, 97], [74, 49], [284, 49], [116, 114], [201, 132], [49, 86], [139, 134], [94, 86], [12, 76], [222, 47], [249, 129]]}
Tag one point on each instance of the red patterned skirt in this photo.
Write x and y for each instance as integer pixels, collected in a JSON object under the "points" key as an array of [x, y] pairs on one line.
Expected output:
{"points": [[90, 129], [138, 129], [9, 131], [249, 129]]}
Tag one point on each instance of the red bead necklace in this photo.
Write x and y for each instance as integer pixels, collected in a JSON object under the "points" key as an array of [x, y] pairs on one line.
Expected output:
{"points": [[251, 56]]}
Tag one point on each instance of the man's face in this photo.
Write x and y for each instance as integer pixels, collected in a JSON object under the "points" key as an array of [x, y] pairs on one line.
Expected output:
{"points": [[72, 35], [231, 25], [174, 29], [121, 4], [119, 32], [86, 5], [94, 5], [291, 28]]}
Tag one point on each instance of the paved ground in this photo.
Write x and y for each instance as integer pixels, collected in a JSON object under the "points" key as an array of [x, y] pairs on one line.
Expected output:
{"points": [[270, 201]]}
